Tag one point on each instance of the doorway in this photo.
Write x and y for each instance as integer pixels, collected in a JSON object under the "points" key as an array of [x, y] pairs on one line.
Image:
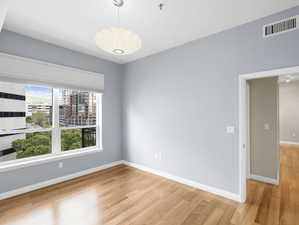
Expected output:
{"points": [[244, 134]]}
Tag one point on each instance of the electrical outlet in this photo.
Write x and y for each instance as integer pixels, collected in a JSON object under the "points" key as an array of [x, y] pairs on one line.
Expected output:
{"points": [[230, 129], [160, 155], [60, 165], [266, 126]]}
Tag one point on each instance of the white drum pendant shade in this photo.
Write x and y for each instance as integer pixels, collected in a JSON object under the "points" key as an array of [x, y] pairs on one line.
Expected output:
{"points": [[118, 41]]}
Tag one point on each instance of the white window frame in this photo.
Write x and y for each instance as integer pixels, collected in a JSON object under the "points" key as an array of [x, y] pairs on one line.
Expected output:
{"points": [[56, 153]]}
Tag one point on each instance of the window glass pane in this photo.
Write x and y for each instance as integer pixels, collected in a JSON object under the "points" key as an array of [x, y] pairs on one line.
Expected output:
{"points": [[76, 108], [12, 106], [24, 106], [78, 138], [18, 146], [38, 107]]}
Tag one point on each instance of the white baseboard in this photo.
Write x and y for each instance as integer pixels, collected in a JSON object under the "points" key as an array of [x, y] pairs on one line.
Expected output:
{"points": [[264, 179], [56, 180], [203, 187], [289, 142]]}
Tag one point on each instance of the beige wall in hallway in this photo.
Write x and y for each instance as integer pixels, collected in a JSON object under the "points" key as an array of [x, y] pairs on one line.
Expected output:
{"points": [[264, 127], [289, 111]]}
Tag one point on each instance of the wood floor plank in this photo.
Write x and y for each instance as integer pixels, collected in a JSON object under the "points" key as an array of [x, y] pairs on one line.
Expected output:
{"points": [[215, 217], [227, 216], [178, 214], [194, 216], [264, 207]]}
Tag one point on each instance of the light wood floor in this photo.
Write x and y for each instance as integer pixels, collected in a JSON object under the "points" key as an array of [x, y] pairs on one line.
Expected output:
{"points": [[125, 196]]}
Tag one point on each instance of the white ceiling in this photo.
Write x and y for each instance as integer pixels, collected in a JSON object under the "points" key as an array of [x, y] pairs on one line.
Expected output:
{"points": [[73, 23]]}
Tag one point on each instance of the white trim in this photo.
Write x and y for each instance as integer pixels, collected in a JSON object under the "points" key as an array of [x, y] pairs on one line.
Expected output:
{"points": [[56, 180], [270, 73], [289, 142], [36, 160], [78, 127], [243, 133], [203, 187], [56, 133], [264, 179], [248, 129], [243, 116], [99, 121], [192, 183]]}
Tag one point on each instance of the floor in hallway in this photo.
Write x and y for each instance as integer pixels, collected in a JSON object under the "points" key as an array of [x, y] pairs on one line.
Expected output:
{"points": [[276, 205]]}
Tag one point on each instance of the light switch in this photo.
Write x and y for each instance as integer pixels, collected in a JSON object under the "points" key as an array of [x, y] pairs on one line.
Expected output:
{"points": [[266, 126], [230, 129]]}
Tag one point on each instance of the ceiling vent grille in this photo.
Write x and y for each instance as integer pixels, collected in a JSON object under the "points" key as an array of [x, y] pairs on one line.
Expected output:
{"points": [[280, 27]]}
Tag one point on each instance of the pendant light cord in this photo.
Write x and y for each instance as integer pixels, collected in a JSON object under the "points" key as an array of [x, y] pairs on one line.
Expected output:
{"points": [[118, 17]]}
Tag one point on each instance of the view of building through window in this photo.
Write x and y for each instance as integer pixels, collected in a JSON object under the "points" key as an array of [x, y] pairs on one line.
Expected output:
{"points": [[76, 108], [24, 107]]}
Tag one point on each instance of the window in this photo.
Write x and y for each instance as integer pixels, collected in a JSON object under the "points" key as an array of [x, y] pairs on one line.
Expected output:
{"points": [[38, 121]]}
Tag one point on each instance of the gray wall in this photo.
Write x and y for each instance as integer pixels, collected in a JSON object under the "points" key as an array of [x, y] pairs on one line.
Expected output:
{"points": [[289, 111], [264, 127], [180, 101], [15, 44]]}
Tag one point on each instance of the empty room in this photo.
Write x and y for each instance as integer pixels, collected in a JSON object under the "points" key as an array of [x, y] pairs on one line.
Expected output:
{"points": [[148, 112]]}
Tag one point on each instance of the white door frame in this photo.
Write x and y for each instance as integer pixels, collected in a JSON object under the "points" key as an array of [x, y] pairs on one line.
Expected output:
{"points": [[243, 119]]}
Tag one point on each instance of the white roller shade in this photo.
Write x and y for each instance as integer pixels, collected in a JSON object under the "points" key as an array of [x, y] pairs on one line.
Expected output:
{"points": [[19, 69]]}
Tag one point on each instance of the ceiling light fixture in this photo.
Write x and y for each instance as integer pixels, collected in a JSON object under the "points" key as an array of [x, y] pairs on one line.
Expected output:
{"points": [[117, 40]]}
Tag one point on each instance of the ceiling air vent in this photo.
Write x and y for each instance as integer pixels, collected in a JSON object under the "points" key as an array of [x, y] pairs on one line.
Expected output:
{"points": [[280, 27]]}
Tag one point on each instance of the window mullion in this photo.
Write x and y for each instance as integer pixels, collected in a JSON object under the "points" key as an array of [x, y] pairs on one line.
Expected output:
{"points": [[99, 135], [56, 140]]}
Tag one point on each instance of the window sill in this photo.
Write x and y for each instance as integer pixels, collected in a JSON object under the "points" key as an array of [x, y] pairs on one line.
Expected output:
{"points": [[6, 166]]}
